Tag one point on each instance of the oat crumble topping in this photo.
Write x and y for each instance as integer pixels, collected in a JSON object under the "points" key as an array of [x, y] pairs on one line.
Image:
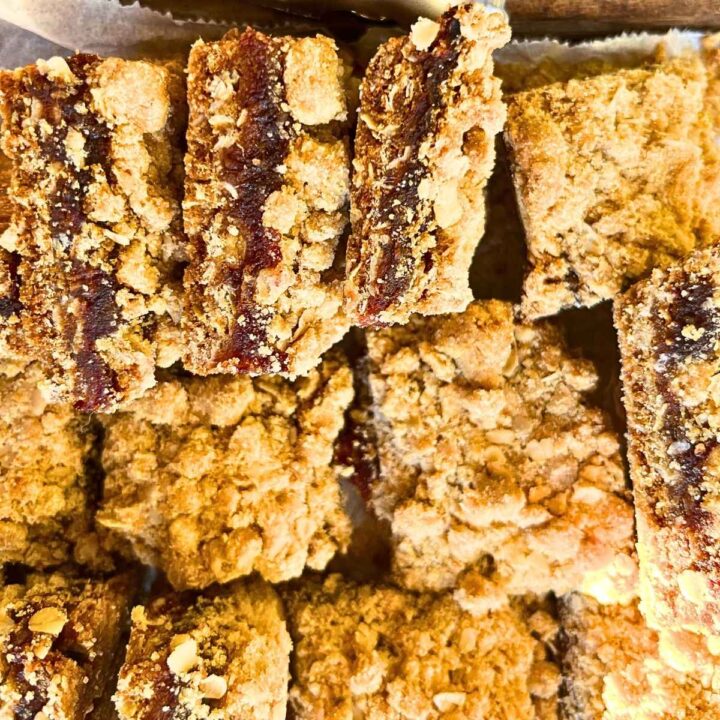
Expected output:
{"points": [[212, 479], [497, 474], [266, 204], [95, 233], [430, 108]]}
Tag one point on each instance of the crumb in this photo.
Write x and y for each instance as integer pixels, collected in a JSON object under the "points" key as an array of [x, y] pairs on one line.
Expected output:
{"points": [[615, 174], [60, 639], [212, 479], [48, 498], [378, 652], [95, 226], [614, 668], [218, 656], [430, 108], [266, 204], [669, 330], [497, 473]]}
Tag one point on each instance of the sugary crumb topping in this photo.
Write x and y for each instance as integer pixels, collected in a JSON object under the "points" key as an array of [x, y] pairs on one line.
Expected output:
{"points": [[59, 639], [669, 336], [497, 475], [212, 479], [266, 204], [48, 493], [384, 654], [430, 108], [95, 232], [616, 173], [615, 668]]}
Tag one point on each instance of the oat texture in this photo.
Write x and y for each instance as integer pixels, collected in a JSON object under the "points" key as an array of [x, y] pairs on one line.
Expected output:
{"points": [[59, 642], [266, 204], [669, 331], [615, 173], [616, 668], [212, 479], [48, 488], [223, 655], [381, 653], [94, 239]]}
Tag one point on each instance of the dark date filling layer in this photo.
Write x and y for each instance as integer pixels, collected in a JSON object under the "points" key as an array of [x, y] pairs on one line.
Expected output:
{"points": [[90, 289], [356, 446], [395, 268], [691, 306], [10, 303], [250, 167], [176, 611], [33, 689]]}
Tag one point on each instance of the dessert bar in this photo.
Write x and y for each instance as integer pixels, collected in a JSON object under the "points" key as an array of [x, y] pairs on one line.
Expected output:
{"points": [[266, 203], [615, 173], [669, 332], [425, 146], [48, 488], [381, 653], [60, 642], [616, 668], [95, 233], [211, 479], [497, 473], [222, 655]]}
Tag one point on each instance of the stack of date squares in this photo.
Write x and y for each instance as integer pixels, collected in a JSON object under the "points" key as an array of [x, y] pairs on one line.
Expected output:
{"points": [[280, 437]]}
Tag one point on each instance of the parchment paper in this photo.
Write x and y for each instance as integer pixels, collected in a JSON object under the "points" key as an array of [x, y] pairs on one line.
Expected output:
{"points": [[108, 28], [30, 29], [625, 49]]}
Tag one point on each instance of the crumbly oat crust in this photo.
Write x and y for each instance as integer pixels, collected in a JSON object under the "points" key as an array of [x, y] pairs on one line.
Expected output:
{"points": [[381, 653], [497, 475], [669, 333], [96, 221], [424, 150], [266, 200], [59, 641], [219, 656], [615, 668], [214, 479], [48, 492], [615, 174]]}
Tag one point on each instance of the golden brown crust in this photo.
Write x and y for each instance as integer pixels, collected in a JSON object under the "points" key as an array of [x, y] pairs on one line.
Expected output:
{"points": [[59, 641], [669, 331], [490, 451], [48, 491], [615, 174], [382, 653], [265, 203], [424, 150], [214, 479], [219, 656], [616, 668], [95, 227]]}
